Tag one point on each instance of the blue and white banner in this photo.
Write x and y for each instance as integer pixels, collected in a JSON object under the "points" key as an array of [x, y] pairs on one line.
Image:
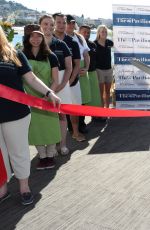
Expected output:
{"points": [[131, 35]]}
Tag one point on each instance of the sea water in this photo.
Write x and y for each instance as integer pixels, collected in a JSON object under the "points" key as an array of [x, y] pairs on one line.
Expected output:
{"points": [[18, 37]]}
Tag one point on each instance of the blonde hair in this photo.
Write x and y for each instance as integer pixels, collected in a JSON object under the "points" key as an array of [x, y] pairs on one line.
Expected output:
{"points": [[99, 29], [7, 52]]}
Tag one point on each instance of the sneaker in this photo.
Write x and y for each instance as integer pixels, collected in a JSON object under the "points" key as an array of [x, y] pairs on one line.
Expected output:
{"points": [[5, 197], [42, 164], [50, 163], [27, 198], [46, 163], [64, 151], [80, 137]]}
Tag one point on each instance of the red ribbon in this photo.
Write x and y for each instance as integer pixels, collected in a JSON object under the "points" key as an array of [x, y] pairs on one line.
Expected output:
{"points": [[3, 174], [79, 110]]}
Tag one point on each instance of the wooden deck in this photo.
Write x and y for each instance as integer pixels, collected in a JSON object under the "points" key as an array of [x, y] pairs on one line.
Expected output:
{"points": [[103, 185]]}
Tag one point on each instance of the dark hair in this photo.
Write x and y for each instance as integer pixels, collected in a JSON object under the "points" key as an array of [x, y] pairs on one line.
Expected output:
{"points": [[44, 50], [45, 16], [59, 14], [85, 26]]}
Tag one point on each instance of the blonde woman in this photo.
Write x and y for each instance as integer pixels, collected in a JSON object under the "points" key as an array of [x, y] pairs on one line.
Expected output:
{"points": [[103, 64], [15, 118]]}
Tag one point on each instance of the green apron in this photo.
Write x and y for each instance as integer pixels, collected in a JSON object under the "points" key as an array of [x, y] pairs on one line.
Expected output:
{"points": [[85, 86], [95, 91], [44, 127]]}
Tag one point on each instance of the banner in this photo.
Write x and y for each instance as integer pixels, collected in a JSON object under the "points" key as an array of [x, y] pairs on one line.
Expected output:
{"points": [[131, 33]]}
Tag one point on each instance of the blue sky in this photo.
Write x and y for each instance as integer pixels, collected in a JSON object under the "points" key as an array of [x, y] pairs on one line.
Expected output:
{"points": [[92, 9]]}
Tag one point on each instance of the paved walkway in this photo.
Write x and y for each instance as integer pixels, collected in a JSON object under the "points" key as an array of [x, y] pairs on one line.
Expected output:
{"points": [[103, 185]]}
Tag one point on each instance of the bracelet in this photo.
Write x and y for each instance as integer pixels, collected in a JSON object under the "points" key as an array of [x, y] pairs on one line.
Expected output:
{"points": [[48, 92]]}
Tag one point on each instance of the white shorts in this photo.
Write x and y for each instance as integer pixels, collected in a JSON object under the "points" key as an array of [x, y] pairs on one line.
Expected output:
{"points": [[76, 94], [65, 93]]}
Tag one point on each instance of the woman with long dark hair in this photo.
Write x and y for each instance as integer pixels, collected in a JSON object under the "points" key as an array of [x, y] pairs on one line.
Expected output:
{"points": [[44, 130]]}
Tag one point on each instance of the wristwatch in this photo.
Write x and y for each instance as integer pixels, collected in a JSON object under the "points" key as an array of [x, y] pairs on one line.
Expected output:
{"points": [[48, 92]]}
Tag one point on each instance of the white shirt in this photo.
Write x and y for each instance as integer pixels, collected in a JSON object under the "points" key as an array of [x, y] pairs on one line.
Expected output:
{"points": [[83, 47]]}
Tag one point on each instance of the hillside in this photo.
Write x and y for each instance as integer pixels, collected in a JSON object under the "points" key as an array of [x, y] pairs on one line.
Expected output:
{"points": [[10, 7]]}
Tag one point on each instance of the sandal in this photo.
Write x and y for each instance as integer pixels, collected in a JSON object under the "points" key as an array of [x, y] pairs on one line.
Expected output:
{"points": [[80, 137]]}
